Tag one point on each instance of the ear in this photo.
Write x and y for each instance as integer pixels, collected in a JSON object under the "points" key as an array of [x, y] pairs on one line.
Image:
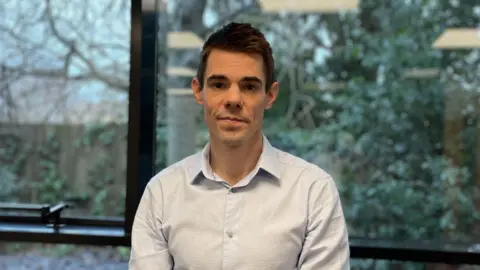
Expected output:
{"points": [[197, 90], [272, 94]]}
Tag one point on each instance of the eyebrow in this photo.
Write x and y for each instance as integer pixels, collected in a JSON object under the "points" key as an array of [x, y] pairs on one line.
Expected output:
{"points": [[217, 77], [245, 79], [252, 79]]}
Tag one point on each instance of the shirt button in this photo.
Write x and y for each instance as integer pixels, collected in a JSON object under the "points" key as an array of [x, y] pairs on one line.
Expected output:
{"points": [[230, 234]]}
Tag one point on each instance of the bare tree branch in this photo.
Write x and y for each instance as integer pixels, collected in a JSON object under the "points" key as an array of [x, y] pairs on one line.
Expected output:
{"points": [[26, 46], [93, 72]]}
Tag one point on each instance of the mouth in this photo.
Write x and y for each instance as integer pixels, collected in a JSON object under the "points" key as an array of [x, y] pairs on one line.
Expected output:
{"points": [[232, 119]]}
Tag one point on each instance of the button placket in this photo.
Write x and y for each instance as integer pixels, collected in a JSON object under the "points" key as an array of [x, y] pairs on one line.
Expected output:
{"points": [[227, 254], [228, 222]]}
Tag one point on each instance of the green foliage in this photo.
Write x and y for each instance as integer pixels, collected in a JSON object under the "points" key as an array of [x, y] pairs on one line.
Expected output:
{"points": [[104, 134], [12, 248], [399, 177], [8, 182], [58, 250], [396, 126], [52, 186], [124, 253], [13, 156], [101, 177]]}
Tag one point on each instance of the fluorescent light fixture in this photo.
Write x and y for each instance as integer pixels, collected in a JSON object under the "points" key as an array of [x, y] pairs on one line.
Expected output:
{"points": [[458, 38], [252, 18], [181, 72], [179, 92], [184, 40], [421, 73], [324, 6]]}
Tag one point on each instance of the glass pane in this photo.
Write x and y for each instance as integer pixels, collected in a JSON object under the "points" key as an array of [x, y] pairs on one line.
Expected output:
{"points": [[376, 95], [64, 83], [61, 256]]}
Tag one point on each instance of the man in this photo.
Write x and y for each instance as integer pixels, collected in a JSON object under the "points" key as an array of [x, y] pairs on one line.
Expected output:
{"points": [[240, 204]]}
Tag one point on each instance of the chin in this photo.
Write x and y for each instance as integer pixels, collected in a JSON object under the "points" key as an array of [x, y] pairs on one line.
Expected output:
{"points": [[232, 138]]}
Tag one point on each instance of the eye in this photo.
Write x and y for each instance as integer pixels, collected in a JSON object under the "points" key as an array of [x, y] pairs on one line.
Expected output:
{"points": [[251, 87], [218, 85]]}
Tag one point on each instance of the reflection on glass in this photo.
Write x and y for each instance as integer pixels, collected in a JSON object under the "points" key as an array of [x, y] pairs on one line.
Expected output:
{"points": [[366, 96], [458, 38], [64, 78], [307, 5]]}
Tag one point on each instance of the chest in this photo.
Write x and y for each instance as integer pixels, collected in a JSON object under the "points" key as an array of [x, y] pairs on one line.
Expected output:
{"points": [[223, 229]]}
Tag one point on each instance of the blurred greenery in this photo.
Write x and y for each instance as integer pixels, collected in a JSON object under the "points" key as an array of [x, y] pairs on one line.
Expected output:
{"points": [[407, 145], [400, 177]]}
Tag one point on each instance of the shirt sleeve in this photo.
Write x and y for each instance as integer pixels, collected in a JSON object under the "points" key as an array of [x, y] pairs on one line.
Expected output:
{"points": [[149, 250], [326, 243]]}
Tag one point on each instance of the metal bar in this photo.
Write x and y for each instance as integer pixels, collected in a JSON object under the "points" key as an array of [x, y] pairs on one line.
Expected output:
{"points": [[58, 208], [434, 245], [133, 114], [148, 86], [88, 231], [84, 221], [72, 234], [455, 254], [414, 255], [143, 88], [52, 215], [416, 251], [23, 207]]}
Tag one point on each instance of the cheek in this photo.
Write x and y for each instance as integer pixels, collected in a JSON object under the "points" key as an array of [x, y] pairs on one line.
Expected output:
{"points": [[209, 108], [207, 111], [257, 112]]}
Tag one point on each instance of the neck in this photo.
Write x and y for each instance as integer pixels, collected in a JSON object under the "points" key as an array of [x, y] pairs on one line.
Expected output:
{"points": [[232, 163]]}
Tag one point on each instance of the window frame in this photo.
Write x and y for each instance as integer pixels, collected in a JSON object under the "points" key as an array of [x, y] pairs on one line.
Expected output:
{"points": [[95, 230], [112, 231]]}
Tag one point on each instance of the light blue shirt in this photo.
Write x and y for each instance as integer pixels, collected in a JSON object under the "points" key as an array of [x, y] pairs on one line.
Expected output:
{"points": [[286, 214]]}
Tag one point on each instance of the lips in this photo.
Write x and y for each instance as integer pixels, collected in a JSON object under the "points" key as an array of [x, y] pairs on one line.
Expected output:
{"points": [[234, 119]]}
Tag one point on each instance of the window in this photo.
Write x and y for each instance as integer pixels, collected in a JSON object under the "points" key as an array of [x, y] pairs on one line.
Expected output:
{"points": [[384, 95], [65, 78]]}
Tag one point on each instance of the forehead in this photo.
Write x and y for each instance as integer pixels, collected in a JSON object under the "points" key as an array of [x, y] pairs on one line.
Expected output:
{"points": [[234, 65]]}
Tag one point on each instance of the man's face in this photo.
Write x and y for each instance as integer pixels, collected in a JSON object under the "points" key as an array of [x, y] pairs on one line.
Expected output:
{"points": [[234, 97]]}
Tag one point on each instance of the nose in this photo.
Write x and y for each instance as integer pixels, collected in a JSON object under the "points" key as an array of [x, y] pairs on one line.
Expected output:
{"points": [[233, 97]]}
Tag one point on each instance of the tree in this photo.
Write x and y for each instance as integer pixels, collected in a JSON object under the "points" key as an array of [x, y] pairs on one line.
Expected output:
{"points": [[405, 144], [61, 63], [54, 48]]}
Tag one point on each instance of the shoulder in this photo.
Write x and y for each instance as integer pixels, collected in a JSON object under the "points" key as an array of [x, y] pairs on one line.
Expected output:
{"points": [[176, 174], [307, 174], [306, 169]]}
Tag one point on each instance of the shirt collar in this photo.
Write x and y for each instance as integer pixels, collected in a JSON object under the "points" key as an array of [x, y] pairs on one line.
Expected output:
{"points": [[268, 161]]}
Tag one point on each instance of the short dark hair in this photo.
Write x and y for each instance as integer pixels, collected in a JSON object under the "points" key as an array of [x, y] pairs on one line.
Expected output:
{"points": [[239, 37]]}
